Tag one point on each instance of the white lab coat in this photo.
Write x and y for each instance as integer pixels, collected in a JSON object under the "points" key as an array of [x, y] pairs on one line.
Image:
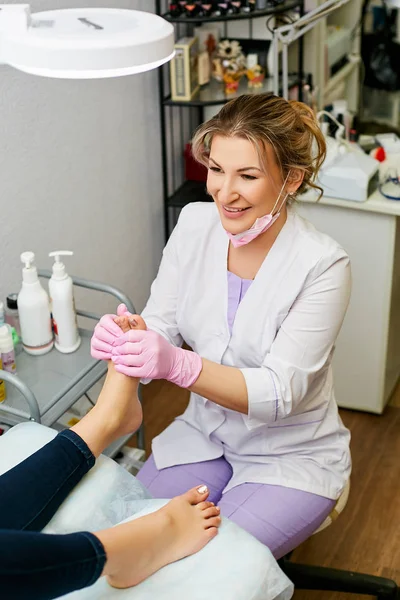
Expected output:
{"points": [[282, 340]]}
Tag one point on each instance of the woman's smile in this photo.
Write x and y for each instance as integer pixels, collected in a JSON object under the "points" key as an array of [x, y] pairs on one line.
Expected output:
{"points": [[234, 213]]}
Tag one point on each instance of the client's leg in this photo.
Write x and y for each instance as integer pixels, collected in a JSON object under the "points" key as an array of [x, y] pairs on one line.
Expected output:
{"points": [[137, 549], [41, 566], [32, 491], [117, 411]]}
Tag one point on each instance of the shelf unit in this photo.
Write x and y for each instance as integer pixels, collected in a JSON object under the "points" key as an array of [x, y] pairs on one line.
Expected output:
{"points": [[266, 12], [180, 119]]}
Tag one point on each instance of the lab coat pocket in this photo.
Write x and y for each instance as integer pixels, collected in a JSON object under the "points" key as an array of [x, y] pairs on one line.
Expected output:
{"points": [[310, 417], [300, 431]]}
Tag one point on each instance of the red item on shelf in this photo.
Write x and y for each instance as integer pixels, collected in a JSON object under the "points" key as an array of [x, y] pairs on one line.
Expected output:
{"points": [[194, 171], [379, 154]]}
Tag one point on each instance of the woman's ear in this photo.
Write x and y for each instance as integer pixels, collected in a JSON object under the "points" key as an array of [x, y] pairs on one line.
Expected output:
{"points": [[295, 180]]}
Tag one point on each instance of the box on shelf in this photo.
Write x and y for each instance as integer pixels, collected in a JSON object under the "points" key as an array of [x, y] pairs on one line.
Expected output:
{"points": [[204, 68], [184, 69], [208, 37]]}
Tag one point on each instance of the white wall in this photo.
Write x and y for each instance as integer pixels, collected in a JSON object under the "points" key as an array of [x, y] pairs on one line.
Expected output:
{"points": [[80, 169]]}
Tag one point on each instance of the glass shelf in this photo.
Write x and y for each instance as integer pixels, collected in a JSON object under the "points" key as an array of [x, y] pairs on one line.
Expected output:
{"points": [[271, 10], [189, 191], [213, 93]]}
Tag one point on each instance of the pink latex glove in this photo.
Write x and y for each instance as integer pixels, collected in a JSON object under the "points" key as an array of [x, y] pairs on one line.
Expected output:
{"points": [[105, 334], [104, 337], [122, 311], [147, 355]]}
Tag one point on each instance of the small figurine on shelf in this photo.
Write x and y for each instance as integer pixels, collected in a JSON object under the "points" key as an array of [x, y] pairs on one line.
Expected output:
{"points": [[230, 50], [232, 76], [255, 76], [229, 65], [217, 69], [210, 44]]}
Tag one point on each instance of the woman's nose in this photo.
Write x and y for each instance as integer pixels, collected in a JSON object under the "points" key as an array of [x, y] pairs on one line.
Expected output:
{"points": [[227, 193]]}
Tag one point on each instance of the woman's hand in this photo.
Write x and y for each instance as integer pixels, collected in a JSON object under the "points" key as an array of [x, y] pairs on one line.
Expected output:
{"points": [[148, 355], [104, 337], [107, 332]]}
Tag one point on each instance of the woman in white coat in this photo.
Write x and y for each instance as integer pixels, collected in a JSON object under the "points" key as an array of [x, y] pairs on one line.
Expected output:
{"points": [[260, 296]]}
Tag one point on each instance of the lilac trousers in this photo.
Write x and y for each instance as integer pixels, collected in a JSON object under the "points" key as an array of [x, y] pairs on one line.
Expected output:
{"points": [[280, 517]]}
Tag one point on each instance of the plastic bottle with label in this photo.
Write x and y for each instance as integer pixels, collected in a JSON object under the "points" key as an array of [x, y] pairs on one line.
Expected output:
{"points": [[12, 315], [7, 350], [61, 290], [3, 391], [34, 310]]}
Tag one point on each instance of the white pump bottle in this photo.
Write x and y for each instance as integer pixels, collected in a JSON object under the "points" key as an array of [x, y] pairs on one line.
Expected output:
{"points": [[34, 310], [61, 290]]}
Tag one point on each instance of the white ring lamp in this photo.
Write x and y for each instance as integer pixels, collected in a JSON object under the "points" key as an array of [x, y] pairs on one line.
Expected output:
{"points": [[87, 43]]}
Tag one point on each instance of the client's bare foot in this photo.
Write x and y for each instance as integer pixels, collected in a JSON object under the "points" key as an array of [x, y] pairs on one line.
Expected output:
{"points": [[137, 549], [118, 410], [132, 322]]}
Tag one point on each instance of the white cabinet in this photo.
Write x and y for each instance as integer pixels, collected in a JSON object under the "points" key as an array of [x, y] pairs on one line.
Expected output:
{"points": [[367, 357]]}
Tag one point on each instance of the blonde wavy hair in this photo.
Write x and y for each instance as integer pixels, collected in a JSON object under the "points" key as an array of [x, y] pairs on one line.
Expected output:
{"points": [[289, 127]]}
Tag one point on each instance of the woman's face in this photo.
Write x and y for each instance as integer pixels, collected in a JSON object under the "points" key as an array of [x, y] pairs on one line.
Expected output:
{"points": [[240, 188]]}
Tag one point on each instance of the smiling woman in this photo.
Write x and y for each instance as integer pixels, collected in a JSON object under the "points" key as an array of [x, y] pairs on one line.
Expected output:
{"points": [[259, 150], [259, 295], [244, 194], [285, 136]]}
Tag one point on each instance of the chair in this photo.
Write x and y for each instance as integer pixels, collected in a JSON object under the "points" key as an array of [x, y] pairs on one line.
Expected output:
{"points": [[309, 577], [235, 566]]}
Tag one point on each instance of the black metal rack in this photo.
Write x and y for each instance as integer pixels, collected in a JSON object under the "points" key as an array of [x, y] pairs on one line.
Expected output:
{"points": [[179, 119]]}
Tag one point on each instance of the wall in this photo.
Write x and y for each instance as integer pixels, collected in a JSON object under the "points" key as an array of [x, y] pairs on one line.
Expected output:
{"points": [[80, 169]]}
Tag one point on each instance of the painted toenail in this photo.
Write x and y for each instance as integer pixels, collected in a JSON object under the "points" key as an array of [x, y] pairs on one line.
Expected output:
{"points": [[203, 489]]}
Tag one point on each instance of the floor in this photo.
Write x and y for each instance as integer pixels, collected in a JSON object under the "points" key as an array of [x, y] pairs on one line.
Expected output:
{"points": [[366, 537]]}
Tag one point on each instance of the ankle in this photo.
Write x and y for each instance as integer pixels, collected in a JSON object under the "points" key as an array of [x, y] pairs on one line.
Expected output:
{"points": [[120, 379]]}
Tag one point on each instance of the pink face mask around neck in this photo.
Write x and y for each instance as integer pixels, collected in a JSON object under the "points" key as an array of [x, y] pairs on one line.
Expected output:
{"points": [[260, 225]]}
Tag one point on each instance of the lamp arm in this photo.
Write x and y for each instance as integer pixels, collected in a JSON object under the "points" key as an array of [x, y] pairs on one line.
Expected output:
{"points": [[289, 33], [286, 34]]}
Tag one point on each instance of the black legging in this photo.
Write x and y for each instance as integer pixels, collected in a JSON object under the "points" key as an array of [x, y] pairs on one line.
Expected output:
{"points": [[36, 565]]}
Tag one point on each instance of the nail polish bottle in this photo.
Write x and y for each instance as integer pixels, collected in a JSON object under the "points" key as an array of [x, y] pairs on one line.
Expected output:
{"points": [[207, 9], [174, 9], [215, 10], [192, 9], [221, 9], [247, 6], [236, 6]]}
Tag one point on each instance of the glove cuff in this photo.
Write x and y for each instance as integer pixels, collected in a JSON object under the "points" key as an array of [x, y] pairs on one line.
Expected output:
{"points": [[187, 368]]}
